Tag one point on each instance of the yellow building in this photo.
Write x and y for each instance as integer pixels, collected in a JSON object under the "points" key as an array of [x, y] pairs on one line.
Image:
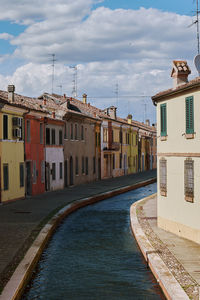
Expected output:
{"points": [[11, 150]]}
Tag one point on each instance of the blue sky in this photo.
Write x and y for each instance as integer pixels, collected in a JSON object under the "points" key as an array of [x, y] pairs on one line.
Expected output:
{"points": [[133, 48]]}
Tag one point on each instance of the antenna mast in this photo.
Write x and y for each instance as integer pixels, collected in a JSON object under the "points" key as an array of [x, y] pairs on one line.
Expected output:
{"points": [[74, 81], [197, 21], [53, 66], [117, 93]]}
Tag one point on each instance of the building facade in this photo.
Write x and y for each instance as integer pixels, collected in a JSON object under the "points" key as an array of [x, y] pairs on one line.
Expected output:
{"points": [[178, 144]]}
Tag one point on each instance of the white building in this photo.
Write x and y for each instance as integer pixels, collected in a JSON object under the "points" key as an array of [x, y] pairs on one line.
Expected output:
{"points": [[178, 147]]}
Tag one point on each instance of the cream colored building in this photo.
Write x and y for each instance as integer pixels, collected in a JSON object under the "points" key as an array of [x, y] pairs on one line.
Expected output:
{"points": [[178, 149]]}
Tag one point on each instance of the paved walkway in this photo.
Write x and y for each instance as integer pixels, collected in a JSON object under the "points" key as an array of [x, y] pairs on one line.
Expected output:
{"points": [[186, 252], [21, 221]]}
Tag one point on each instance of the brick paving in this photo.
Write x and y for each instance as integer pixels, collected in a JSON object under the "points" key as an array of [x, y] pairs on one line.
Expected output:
{"points": [[21, 221]]}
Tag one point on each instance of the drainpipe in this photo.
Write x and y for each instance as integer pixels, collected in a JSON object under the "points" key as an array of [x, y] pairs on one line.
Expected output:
{"points": [[24, 115]]}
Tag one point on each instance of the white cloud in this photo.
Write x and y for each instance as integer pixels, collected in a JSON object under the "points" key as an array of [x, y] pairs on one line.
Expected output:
{"points": [[5, 36]]}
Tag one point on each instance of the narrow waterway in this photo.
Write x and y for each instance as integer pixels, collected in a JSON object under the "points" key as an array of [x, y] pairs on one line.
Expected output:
{"points": [[93, 255]]}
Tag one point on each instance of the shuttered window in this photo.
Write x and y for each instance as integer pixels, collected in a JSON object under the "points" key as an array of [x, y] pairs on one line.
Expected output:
{"points": [[5, 127], [163, 119], [5, 177], [86, 165], [42, 171], [189, 114], [21, 174], [189, 180], [77, 165], [163, 177]]}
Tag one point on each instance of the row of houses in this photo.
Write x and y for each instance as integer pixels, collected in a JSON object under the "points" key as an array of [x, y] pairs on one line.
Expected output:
{"points": [[54, 141]]}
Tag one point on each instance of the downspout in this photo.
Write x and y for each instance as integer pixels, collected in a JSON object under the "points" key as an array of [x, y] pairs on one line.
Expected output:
{"points": [[24, 115]]}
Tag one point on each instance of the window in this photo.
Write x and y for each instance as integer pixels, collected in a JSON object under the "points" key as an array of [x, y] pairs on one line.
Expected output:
{"points": [[65, 131], [94, 165], [86, 165], [76, 132], [189, 115], [72, 134], [189, 179], [83, 165], [28, 131], [42, 171], [61, 170], [105, 135], [41, 133], [60, 137], [76, 165], [120, 160], [5, 177], [163, 177], [5, 127], [21, 174], [82, 133], [34, 172], [47, 136], [53, 171], [113, 161], [163, 120], [53, 136]]}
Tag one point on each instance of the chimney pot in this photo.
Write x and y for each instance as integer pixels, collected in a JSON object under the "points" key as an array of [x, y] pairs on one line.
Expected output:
{"points": [[129, 118], [11, 90], [147, 122], [84, 98], [180, 72]]}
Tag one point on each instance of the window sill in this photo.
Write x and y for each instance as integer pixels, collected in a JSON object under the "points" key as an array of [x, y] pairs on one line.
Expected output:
{"points": [[163, 138], [189, 199], [189, 135], [163, 193]]}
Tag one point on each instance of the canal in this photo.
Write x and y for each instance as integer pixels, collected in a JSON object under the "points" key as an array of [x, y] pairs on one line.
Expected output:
{"points": [[93, 255]]}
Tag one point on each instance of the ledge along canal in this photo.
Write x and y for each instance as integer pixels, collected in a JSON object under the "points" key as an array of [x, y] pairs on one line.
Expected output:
{"points": [[93, 255]]}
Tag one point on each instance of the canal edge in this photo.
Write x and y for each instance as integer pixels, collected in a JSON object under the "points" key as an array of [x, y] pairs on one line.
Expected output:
{"points": [[18, 281], [169, 285]]}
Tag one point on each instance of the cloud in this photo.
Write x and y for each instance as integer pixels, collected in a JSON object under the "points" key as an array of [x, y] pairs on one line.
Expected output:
{"points": [[5, 36]]}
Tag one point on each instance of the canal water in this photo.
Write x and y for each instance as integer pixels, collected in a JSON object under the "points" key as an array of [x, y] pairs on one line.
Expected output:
{"points": [[93, 255]]}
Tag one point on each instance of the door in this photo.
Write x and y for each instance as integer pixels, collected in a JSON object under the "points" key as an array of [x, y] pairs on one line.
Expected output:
{"points": [[65, 173], [71, 171], [28, 178], [47, 177]]}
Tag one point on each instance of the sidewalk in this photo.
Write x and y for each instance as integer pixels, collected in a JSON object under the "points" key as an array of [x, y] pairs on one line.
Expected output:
{"points": [[180, 256], [21, 221]]}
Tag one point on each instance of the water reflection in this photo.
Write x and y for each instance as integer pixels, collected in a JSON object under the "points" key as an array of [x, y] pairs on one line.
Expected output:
{"points": [[94, 256]]}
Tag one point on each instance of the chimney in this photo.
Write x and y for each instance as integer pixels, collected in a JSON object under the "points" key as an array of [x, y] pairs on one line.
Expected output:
{"points": [[112, 112], [84, 98], [129, 119], [147, 122], [180, 72], [53, 114], [64, 95], [11, 90], [44, 101]]}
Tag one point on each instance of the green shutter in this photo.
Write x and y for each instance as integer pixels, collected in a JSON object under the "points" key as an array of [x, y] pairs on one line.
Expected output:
{"points": [[163, 119], [189, 115]]}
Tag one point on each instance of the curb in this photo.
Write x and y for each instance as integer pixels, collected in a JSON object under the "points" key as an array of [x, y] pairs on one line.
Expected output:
{"points": [[18, 281], [169, 285]]}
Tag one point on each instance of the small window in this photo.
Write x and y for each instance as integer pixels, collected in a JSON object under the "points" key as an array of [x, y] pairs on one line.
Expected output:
{"points": [[72, 133], [86, 165], [21, 174], [83, 165], [189, 112], [5, 127], [189, 180], [76, 132], [53, 136], [28, 131], [163, 177], [5, 177], [76, 165], [42, 171], [94, 164], [60, 137], [47, 136], [41, 133], [82, 132], [163, 120], [34, 172], [61, 170], [53, 171]]}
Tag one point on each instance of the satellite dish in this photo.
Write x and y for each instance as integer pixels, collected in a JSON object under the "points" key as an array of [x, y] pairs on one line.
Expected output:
{"points": [[197, 63]]}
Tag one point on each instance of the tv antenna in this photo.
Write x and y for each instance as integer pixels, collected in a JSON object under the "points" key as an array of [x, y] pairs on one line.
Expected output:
{"points": [[117, 93], [60, 86], [197, 24], [53, 67], [74, 81]]}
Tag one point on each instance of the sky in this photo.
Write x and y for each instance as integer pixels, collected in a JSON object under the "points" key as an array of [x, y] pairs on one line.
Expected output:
{"points": [[122, 49]]}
